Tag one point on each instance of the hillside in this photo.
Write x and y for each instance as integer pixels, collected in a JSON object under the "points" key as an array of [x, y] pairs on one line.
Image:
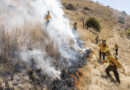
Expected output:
{"points": [[109, 18], [39, 55]]}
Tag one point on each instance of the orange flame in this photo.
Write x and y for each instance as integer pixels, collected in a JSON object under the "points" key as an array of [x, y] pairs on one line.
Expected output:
{"points": [[80, 80]]}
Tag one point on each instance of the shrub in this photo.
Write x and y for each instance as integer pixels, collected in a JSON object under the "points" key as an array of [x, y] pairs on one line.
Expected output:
{"points": [[121, 32], [108, 6], [128, 32], [124, 13], [93, 22]]}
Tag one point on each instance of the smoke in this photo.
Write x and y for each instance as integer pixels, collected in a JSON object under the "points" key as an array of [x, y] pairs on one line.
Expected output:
{"points": [[50, 44]]}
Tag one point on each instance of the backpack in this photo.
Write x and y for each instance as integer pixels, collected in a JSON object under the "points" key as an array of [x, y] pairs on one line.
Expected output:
{"points": [[113, 62]]}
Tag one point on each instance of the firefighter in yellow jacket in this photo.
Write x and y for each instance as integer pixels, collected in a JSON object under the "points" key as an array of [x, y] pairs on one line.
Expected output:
{"points": [[116, 49], [48, 17], [102, 46], [114, 64]]}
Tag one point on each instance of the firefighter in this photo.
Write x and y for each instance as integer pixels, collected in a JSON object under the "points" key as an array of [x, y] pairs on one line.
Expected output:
{"points": [[102, 46], [48, 17], [97, 39], [116, 49], [114, 64], [75, 27]]}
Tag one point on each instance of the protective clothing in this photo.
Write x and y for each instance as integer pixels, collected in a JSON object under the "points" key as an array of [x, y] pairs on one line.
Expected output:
{"points": [[116, 46], [104, 40], [47, 18], [116, 49], [97, 39], [100, 53], [112, 68], [113, 62], [113, 65], [75, 25], [103, 47], [107, 50]]}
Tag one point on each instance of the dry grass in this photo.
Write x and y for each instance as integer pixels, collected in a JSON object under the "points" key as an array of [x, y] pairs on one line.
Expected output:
{"points": [[52, 51], [80, 81], [108, 17], [12, 41]]}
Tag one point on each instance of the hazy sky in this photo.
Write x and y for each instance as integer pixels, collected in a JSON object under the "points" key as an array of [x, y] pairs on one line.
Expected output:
{"points": [[121, 5]]}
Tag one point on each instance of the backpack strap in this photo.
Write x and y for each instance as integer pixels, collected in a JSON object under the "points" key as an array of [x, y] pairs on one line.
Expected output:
{"points": [[112, 62]]}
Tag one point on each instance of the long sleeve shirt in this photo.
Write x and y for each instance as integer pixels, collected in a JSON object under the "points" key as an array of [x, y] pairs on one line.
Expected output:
{"points": [[103, 47], [112, 61]]}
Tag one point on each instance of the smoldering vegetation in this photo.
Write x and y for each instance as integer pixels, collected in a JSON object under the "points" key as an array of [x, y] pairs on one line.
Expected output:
{"points": [[36, 56], [43, 66]]}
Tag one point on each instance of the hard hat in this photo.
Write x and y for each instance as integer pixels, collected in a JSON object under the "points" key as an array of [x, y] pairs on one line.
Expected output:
{"points": [[104, 40], [107, 50]]}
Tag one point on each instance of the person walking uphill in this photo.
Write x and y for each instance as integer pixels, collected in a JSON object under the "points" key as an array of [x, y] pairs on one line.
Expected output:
{"points": [[116, 49], [114, 64], [48, 17], [102, 46], [75, 27], [97, 39]]}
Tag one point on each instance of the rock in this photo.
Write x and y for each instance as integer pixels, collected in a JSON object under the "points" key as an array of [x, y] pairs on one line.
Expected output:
{"points": [[14, 82], [124, 13], [69, 7], [121, 20]]}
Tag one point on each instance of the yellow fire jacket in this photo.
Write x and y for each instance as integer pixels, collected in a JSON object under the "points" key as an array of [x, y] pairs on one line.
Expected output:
{"points": [[47, 18], [113, 62], [102, 47], [116, 47], [96, 38]]}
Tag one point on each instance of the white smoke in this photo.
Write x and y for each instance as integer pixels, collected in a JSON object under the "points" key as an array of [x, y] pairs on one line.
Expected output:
{"points": [[24, 14]]}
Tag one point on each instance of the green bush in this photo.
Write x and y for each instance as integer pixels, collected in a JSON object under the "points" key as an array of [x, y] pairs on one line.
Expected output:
{"points": [[121, 32], [128, 32], [93, 22]]}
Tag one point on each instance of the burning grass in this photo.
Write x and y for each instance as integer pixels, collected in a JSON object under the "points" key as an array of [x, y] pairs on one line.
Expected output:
{"points": [[78, 80], [35, 38]]}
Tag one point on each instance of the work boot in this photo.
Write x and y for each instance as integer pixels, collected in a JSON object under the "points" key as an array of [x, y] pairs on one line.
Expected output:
{"points": [[118, 81]]}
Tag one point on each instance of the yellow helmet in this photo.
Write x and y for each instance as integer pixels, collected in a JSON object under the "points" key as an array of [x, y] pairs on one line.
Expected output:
{"points": [[107, 50], [104, 40]]}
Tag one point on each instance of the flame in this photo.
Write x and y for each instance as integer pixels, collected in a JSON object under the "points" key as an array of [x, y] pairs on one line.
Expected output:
{"points": [[80, 80]]}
